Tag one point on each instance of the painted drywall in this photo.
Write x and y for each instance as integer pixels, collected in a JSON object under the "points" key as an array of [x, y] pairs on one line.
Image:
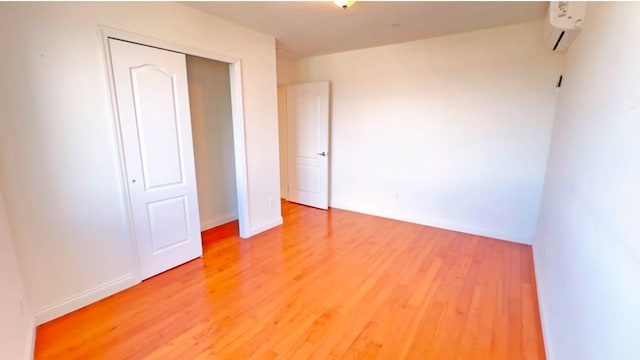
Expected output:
{"points": [[212, 127], [451, 132], [60, 163], [587, 251], [17, 329], [282, 127], [285, 69]]}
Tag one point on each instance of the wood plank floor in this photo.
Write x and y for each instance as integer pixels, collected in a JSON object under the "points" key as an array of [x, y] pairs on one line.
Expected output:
{"points": [[325, 285]]}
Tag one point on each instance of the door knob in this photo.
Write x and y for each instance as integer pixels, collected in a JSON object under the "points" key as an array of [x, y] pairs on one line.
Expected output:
{"points": [[322, 153]]}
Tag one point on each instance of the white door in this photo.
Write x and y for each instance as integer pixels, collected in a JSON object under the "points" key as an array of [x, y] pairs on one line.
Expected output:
{"points": [[308, 143], [153, 108]]}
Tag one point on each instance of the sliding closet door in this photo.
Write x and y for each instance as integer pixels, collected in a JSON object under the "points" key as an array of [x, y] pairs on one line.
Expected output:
{"points": [[153, 108]]}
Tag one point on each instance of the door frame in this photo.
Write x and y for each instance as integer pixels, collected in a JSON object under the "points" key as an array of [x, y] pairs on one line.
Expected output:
{"points": [[237, 113]]}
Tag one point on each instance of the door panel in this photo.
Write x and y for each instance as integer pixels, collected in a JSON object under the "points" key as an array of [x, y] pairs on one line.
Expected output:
{"points": [[308, 143], [153, 108], [169, 222], [154, 98]]}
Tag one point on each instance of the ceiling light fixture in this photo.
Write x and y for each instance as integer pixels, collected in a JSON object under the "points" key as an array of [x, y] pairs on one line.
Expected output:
{"points": [[344, 4]]}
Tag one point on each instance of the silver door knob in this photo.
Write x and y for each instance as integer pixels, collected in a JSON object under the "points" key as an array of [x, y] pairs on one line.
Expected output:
{"points": [[322, 153]]}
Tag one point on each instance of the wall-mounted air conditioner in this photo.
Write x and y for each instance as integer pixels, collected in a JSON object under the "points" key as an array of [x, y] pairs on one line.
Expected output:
{"points": [[564, 23]]}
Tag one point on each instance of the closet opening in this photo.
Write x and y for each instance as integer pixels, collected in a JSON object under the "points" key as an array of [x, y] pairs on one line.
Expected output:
{"points": [[213, 143]]}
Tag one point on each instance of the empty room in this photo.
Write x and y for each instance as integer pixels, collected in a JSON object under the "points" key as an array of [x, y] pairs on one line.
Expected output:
{"points": [[320, 180]]}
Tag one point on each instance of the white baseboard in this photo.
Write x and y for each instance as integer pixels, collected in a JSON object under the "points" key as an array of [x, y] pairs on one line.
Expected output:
{"points": [[437, 223], [75, 302], [211, 223], [541, 308], [255, 230]]}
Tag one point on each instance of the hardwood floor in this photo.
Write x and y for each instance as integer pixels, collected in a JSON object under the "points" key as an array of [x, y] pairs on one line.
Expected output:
{"points": [[325, 285]]}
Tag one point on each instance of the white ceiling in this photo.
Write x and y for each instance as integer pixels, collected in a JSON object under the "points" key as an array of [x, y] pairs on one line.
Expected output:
{"points": [[321, 27]]}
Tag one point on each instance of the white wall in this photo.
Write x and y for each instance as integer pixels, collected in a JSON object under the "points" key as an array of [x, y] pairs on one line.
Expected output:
{"points": [[285, 69], [282, 136], [212, 127], [451, 132], [17, 329], [587, 251], [59, 161]]}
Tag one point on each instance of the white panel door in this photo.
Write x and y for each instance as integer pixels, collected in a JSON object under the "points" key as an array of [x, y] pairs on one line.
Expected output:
{"points": [[153, 107], [308, 143]]}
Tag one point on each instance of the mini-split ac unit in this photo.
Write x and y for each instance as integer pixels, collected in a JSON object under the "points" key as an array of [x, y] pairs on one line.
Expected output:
{"points": [[564, 22]]}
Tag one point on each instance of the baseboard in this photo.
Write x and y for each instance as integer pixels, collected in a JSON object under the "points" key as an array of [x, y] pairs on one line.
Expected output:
{"points": [[438, 223], [265, 226], [211, 223], [83, 299], [541, 308]]}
